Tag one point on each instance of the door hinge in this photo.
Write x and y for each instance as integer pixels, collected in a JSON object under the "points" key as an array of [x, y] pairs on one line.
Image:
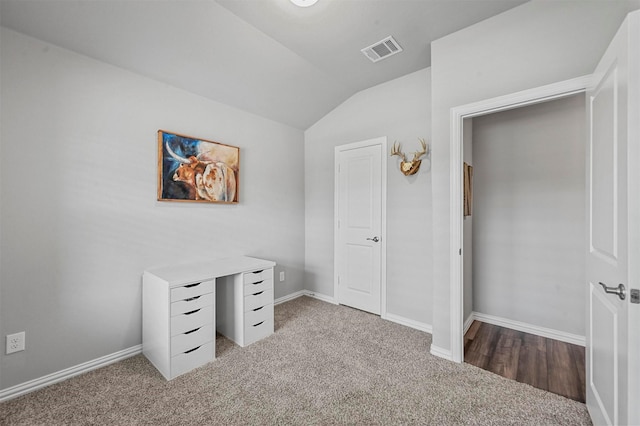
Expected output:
{"points": [[460, 252]]}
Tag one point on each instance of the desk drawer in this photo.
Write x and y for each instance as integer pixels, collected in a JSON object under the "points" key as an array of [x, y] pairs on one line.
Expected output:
{"points": [[258, 315], [257, 286], [183, 342], [184, 362], [190, 321], [254, 277], [258, 299], [191, 290], [260, 330], [191, 304]]}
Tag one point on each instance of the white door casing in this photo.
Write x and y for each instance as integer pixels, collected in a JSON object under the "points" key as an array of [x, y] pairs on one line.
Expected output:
{"points": [[458, 115], [633, 207], [360, 206], [612, 119]]}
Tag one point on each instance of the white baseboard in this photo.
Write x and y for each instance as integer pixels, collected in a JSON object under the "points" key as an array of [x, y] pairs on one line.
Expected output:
{"points": [[49, 379], [289, 297], [441, 353], [468, 323], [324, 298], [300, 293], [409, 322], [531, 329]]}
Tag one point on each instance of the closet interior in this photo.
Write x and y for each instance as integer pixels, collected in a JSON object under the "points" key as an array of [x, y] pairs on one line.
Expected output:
{"points": [[524, 244]]}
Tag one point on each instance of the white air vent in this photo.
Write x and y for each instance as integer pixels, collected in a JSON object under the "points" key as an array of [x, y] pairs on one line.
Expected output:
{"points": [[382, 49]]}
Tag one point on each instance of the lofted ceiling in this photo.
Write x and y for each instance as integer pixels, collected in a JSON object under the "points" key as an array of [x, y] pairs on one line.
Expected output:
{"points": [[268, 57]]}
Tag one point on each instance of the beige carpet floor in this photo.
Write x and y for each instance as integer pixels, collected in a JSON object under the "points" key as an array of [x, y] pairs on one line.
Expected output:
{"points": [[325, 365]]}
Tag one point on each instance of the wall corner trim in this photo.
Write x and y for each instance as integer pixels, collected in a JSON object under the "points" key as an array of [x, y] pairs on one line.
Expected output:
{"points": [[441, 353], [50, 379]]}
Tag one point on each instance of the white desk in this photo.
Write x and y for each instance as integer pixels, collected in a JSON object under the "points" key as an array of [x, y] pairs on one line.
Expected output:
{"points": [[184, 304]]}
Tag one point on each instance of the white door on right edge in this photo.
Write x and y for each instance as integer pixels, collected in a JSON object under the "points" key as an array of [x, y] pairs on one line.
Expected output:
{"points": [[607, 215]]}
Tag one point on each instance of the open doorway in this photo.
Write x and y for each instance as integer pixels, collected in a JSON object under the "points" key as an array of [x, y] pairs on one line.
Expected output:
{"points": [[523, 244]]}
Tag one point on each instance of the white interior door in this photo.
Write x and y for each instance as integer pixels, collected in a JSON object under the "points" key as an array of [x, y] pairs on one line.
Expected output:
{"points": [[360, 183], [607, 349]]}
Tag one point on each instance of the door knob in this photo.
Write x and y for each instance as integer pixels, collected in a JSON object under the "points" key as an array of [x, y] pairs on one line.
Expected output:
{"points": [[374, 239], [620, 290]]}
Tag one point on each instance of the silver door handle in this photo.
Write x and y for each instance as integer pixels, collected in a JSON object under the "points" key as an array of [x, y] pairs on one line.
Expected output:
{"points": [[374, 239], [620, 290]]}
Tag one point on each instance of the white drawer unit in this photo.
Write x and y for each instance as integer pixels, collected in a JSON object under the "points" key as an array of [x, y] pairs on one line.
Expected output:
{"points": [[178, 331], [183, 305], [249, 293]]}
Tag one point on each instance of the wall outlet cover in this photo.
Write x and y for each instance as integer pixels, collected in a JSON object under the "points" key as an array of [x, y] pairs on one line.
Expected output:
{"points": [[15, 342], [281, 275]]}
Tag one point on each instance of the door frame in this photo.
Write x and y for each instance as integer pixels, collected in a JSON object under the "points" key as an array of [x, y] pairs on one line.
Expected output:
{"points": [[382, 142], [633, 206], [458, 115]]}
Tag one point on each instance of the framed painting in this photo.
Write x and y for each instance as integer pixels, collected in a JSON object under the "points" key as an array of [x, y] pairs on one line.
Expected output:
{"points": [[468, 189], [196, 170]]}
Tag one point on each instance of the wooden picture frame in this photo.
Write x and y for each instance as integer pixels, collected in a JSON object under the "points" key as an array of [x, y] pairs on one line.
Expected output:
{"points": [[197, 170], [468, 189]]}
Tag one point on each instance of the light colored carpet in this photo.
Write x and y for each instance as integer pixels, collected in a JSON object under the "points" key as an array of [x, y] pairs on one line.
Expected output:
{"points": [[324, 365]]}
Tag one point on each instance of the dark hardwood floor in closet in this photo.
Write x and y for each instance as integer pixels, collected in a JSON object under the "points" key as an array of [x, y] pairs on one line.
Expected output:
{"points": [[547, 364]]}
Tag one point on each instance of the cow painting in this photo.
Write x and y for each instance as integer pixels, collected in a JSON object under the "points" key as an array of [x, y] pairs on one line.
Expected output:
{"points": [[196, 170]]}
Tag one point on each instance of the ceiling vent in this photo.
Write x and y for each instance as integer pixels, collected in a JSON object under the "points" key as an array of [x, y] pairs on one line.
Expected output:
{"points": [[382, 49]]}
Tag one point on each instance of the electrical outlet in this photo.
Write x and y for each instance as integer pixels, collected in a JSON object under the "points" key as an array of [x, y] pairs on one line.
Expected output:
{"points": [[281, 275], [15, 342]]}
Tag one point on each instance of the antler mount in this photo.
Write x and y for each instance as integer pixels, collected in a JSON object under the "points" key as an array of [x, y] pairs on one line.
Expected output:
{"points": [[409, 168]]}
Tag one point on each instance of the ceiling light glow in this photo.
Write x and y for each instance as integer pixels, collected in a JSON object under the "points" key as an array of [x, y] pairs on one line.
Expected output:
{"points": [[304, 3]]}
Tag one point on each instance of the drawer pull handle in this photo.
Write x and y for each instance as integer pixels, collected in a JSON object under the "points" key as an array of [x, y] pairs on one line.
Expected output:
{"points": [[192, 331], [258, 293], [191, 312], [255, 325], [257, 309], [257, 272], [192, 298], [259, 282], [192, 285], [191, 350]]}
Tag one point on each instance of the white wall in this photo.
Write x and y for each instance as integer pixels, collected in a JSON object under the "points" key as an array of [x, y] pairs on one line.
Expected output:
{"points": [[400, 110], [538, 43], [79, 216], [529, 217]]}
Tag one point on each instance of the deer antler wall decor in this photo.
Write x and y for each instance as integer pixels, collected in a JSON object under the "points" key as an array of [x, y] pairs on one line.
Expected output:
{"points": [[410, 167]]}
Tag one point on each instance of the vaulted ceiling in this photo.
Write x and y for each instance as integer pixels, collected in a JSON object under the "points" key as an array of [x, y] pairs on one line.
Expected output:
{"points": [[267, 57]]}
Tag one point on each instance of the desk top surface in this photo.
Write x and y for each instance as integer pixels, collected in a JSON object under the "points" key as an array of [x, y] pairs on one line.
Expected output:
{"points": [[186, 273]]}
